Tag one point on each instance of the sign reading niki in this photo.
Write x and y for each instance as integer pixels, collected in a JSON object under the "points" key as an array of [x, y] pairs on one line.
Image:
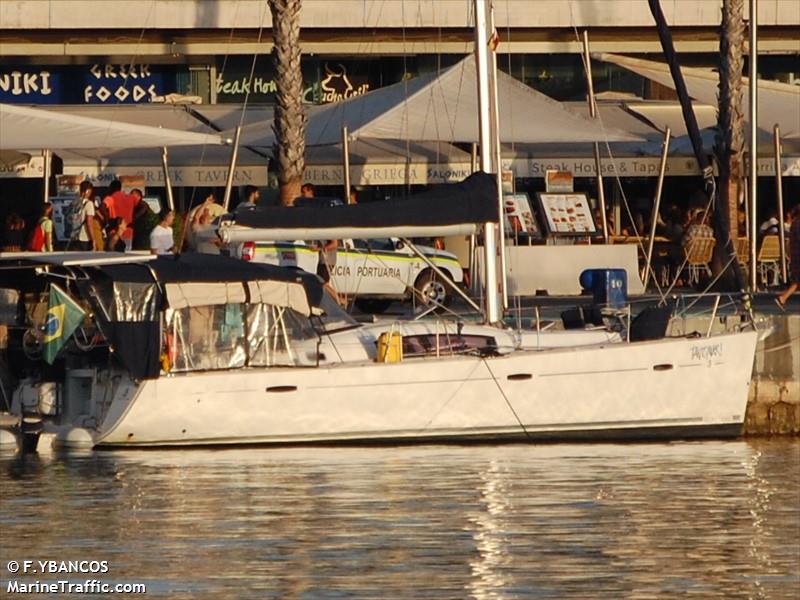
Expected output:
{"points": [[88, 84]]}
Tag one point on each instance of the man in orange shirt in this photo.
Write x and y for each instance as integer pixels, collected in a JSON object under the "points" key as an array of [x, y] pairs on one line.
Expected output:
{"points": [[121, 205]]}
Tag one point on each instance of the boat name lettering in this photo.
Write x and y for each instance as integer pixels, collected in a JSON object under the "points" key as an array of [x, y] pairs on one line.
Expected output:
{"points": [[707, 352]]}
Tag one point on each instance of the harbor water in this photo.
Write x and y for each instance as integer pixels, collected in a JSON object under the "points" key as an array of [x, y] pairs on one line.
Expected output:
{"points": [[715, 519]]}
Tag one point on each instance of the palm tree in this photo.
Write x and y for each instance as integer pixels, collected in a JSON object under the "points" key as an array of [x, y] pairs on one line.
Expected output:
{"points": [[290, 120], [729, 141]]}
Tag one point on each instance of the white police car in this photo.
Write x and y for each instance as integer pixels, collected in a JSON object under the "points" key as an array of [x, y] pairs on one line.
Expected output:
{"points": [[375, 271]]}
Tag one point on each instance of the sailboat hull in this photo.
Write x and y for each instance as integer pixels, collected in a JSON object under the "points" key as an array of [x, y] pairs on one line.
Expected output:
{"points": [[673, 388]]}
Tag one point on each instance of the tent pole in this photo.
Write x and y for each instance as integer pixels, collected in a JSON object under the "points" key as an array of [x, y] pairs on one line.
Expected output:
{"points": [[231, 169], [753, 72], [779, 196], [47, 158], [167, 182], [473, 239], [346, 163], [487, 157], [656, 206], [601, 193]]}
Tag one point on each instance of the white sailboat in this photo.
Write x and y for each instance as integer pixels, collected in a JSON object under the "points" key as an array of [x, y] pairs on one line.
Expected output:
{"points": [[202, 349], [210, 350]]}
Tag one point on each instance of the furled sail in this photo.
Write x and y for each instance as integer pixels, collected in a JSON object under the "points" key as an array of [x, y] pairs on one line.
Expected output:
{"points": [[448, 209]]}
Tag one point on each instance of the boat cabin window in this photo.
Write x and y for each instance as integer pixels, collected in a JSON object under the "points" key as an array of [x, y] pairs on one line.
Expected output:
{"points": [[200, 338], [427, 344], [134, 301], [334, 317], [229, 336], [273, 334]]}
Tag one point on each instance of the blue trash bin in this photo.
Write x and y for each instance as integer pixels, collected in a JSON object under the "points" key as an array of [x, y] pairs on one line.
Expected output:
{"points": [[609, 287]]}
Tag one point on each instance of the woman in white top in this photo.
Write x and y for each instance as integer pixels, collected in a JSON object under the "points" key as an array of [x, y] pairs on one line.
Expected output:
{"points": [[161, 238]]}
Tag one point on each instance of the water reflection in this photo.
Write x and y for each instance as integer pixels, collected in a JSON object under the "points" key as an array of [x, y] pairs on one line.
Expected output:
{"points": [[717, 519]]}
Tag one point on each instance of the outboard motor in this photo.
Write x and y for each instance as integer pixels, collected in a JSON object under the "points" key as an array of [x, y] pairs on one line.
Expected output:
{"points": [[609, 287], [33, 400], [30, 428], [609, 290]]}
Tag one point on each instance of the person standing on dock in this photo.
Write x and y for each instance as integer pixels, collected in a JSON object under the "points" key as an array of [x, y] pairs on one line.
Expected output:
{"points": [[161, 239], [251, 197], [794, 257], [81, 213], [121, 205]]}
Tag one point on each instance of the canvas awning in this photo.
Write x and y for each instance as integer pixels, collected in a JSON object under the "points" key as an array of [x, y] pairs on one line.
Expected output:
{"points": [[444, 107], [372, 162], [20, 164], [25, 128], [188, 166], [277, 293], [777, 102], [12, 158]]}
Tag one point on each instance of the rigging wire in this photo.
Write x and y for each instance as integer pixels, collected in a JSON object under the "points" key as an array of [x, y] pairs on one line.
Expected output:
{"points": [[219, 77], [112, 120], [138, 46], [405, 94], [253, 63], [618, 181], [505, 397]]}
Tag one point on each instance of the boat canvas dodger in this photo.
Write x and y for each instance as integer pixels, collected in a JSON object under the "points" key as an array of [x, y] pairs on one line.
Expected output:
{"points": [[201, 349]]}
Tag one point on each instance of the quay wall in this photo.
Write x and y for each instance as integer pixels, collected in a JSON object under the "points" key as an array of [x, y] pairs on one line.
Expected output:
{"points": [[774, 404]]}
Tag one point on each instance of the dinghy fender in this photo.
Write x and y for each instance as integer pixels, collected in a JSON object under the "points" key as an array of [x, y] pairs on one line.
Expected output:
{"points": [[73, 438]]}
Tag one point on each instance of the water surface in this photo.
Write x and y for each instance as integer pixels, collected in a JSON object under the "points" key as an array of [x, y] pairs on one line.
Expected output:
{"points": [[710, 520]]}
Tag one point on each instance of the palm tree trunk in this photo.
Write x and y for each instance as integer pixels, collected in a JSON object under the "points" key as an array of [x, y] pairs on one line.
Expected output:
{"points": [[730, 133], [290, 120]]}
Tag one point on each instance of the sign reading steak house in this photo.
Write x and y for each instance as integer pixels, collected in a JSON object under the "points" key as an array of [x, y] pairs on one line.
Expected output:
{"points": [[324, 81]]}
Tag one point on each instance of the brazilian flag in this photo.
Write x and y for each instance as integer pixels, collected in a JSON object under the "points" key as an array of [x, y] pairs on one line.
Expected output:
{"points": [[63, 317]]}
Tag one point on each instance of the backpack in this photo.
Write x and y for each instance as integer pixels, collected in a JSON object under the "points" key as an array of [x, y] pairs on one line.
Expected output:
{"points": [[74, 218], [36, 242]]}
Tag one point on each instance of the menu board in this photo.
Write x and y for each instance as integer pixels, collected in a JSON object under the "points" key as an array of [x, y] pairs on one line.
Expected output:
{"points": [[567, 214], [519, 216]]}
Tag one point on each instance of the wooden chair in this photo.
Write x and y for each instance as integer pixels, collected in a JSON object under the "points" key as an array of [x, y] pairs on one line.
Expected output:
{"points": [[743, 250], [768, 260], [742, 247], [698, 257]]}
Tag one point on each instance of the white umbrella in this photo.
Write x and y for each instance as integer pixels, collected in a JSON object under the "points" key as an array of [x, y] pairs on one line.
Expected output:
{"points": [[777, 102]]}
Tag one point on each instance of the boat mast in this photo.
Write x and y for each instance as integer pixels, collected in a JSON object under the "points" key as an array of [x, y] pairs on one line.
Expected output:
{"points": [[753, 188], [488, 155]]}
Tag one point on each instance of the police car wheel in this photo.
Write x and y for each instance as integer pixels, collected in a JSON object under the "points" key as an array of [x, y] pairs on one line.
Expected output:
{"points": [[431, 290]]}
